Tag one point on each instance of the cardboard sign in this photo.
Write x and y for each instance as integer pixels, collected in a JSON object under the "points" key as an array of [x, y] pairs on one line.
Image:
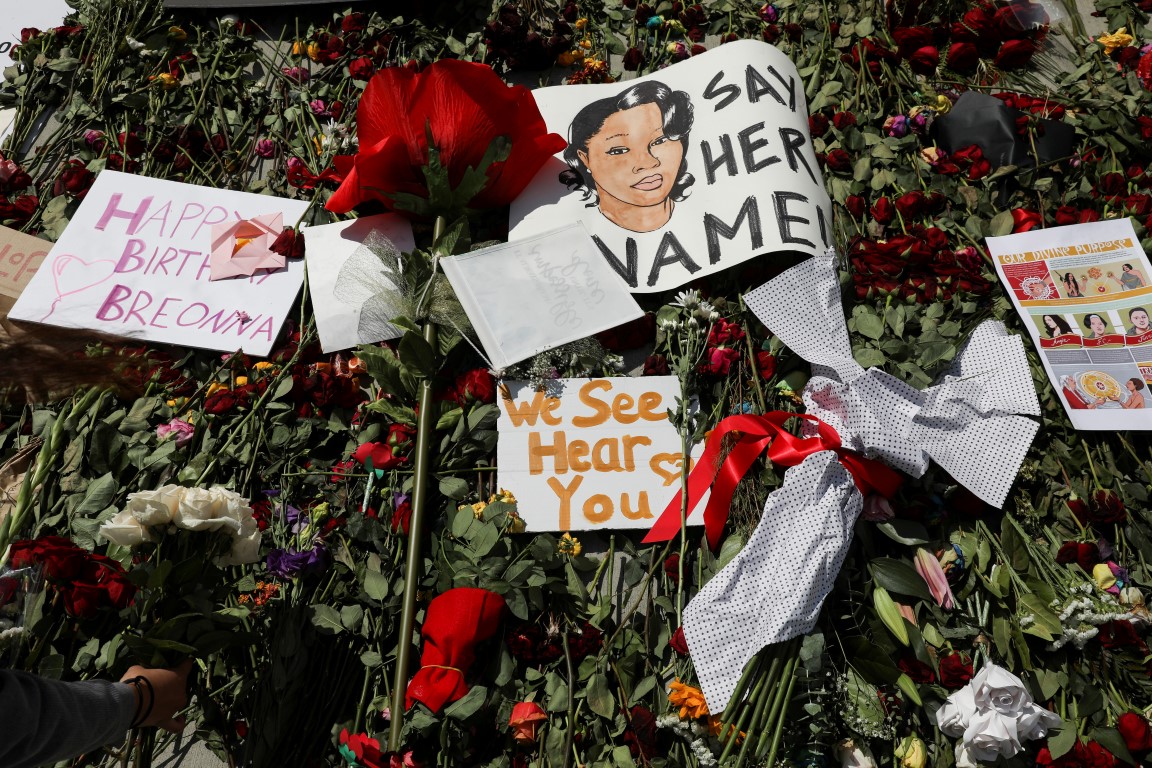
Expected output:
{"points": [[351, 293], [135, 261], [531, 295], [20, 257], [684, 172], [591, 454]]}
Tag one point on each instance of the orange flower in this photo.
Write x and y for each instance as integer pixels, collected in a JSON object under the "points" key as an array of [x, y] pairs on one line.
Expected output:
{"points": [[690, 700], [526, 717]]}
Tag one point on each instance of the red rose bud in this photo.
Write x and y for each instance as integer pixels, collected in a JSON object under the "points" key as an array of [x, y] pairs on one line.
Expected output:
{"points": [[678, 643], [1015, 54], [1024, 220], [817, 124], [475, 386], [954, 671], [843, 120], [766, 362], [838, 161], [632, 59], [925, 60], [855, 205], [909, 39], [962, 57], [883, 211], [289, 243]]}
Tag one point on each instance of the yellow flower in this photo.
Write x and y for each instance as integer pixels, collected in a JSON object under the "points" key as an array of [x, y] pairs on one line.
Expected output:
{"points": [[504, 496], [565, 59], [298, 48], [214, 387], [581, 23], [585, 43], [515, 523], [1118, 39], [478, 509], [943, 105], [314, 51], [690, 700], [263, 365], [1103, 576], [167, 81], [911, 752], [570, 545], [177, 34], [241, 380]]}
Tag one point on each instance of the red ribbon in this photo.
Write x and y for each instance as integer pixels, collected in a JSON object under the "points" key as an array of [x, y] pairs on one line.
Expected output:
{"points": [[755, 434]]}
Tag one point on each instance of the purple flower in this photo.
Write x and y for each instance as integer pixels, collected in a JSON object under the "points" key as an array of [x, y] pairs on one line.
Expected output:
{"points": [[266, 148], [768, 13], [290, 563], [896, 126], [318, 108]]}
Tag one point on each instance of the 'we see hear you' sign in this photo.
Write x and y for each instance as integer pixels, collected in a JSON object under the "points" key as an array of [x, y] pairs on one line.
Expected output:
{"points": [[590, 453]]}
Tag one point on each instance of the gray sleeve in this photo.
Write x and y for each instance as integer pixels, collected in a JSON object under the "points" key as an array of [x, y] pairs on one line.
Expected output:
{"points": [[45, 721]]}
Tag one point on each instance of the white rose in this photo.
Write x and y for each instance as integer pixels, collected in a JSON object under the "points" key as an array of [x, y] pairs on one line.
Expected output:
{"points": [[964, 758], [154, 507], [245, 547], [997, 688], [991, 735], [956, 712], [125, 530], [207, 510], [1035, 722]]}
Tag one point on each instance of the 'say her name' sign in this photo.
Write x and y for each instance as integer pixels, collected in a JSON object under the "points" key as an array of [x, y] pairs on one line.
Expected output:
{"points": [[684, 172]]}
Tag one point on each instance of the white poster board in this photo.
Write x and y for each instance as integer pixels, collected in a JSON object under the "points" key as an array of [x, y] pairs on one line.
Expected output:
{"points": [[350, 290], [1085, 294], [135, 261], [684, 172], [537, 293], [15, 16], [591, 454]]}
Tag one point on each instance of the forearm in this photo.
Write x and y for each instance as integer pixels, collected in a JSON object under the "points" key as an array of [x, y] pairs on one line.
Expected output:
{"points": [[47, 720]]}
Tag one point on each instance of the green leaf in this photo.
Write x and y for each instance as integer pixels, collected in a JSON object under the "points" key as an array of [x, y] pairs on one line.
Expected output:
{"points": [[1000, 225], [375, 584], [1061, 743], [599, 697], [1111, 740], [899, 576], [326, 619], [351, 616], [910, 689], [867, 323], [454, 487], [469, 705], [98, 496], [907, 532], [417, 355]]}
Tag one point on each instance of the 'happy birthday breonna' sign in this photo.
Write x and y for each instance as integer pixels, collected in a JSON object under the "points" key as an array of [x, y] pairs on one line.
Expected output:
{"points": [[134, 261], [684, 172], [590, 453]]}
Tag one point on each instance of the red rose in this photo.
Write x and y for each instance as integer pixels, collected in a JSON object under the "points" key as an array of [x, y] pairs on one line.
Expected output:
{"points": [[766, 362], [641, 734], [725, 333], [1024, 220], [632, 59], [817, 124], [720, 360], [962, 57], [838, 161], [1090, 755], [843, 120], [380, 454], [656, 365], [1145, 126], [1121, 634], [465, 106], [855, 205], [402, 515], [672, 568], [883, 211], [224, 400], [1102, 507], [475, 386], [1082, 553], [909, 39], [917, 670], [1112, 184], [1137, 733], [954, 671], [911, 204], [361, 68], [925, 60], [289, 243], [678, 643], [353, 22], [1015, 54], [1138, 205]]}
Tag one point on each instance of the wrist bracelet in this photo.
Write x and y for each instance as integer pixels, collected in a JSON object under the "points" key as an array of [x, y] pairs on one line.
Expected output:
{"points": [[142, 712]]}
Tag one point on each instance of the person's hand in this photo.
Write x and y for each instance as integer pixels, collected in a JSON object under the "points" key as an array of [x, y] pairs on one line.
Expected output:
{"points": [[168, 694]]}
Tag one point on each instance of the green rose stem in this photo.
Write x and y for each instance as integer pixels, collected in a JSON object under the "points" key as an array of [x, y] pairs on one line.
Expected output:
{"points": [[424, 426], [45, 463]]}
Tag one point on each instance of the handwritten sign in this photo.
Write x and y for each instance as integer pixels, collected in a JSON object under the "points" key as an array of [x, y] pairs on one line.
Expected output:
{"points": [[20, 257], [595, 454], [135, 261], [535, 294], [351, 292], [684, 172]]}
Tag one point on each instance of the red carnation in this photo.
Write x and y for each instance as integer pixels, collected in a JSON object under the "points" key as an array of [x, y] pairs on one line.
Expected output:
{"points": [[465, 106]]}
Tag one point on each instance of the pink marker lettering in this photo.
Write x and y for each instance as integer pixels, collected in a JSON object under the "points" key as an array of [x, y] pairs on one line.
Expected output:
{"points": [[130, 261], [118, 294], [113, 212]]}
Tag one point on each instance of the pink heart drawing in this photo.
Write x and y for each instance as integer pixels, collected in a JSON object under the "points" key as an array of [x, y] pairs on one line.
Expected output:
{"points": [[72, 275]]}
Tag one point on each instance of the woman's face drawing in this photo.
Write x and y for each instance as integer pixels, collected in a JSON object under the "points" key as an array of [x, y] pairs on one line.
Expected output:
{"points": [[1097, 325], [1139, 319], [631, 159]]}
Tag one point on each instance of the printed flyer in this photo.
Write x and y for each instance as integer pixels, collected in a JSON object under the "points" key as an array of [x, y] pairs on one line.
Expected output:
{"points": [[1085, 294]]}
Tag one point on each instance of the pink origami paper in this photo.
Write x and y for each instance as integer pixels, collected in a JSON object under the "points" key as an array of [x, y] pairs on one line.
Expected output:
{"points": [[239, 248]]}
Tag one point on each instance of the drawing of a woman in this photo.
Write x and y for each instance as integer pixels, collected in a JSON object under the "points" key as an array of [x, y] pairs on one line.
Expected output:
{"points": [[626, 153]]}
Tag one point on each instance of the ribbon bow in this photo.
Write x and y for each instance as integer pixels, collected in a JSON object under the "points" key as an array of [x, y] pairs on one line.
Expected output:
{"points": [[755, 434], [773, 589]]}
